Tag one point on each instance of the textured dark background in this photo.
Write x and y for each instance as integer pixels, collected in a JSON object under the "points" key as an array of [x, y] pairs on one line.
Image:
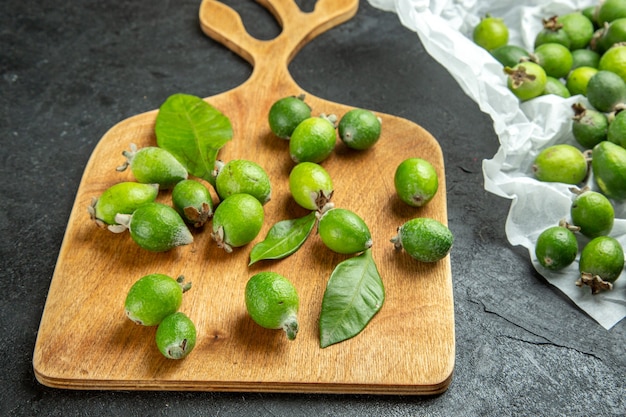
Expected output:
{"points": [[71, 70]]}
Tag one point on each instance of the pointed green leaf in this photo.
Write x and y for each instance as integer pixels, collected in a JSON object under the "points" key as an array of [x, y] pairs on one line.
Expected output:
{"points": [[283, 239], [354, 294], [193, 131]]}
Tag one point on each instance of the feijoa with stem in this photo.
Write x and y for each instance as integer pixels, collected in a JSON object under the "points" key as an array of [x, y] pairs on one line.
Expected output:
{"points": [[153, 297], [193, 201], [343, 231], [176, 336], [286, 114], [424, 239], [592, 212], [121, 198], [552, 32], [311, 186], [237, 221], [589, 126], [491, 33], [154, 165], [272, 301], [601, 263], [242, 176], [526, 80], [155, 227]]}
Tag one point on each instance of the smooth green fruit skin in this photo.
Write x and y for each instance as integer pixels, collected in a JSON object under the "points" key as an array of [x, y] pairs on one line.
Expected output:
{"points": [[579, 29], [241, 217], [154, 165], [616, 131], [191, 193], [416, 181], [606, 90], [124, 198], [602, 256], [286, 114], [608, 164], [555, 59], [241, 176], [556, 87], [176, 336], [425, 239], [552, 36], [272, 302], [313, 140], [585, 58], [611, 10], [591, 128], [578, 80], [491, 33], [307, 180], [343, 231], [614, 60], [560, 163], [593, 213], [158, 228], [509, 55], [152, 298], [556, 248], [359, 129]]}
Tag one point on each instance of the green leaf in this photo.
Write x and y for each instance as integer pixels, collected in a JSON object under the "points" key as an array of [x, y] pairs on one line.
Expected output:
{"points": [[193, 131], [283, 239], [354, 294]]}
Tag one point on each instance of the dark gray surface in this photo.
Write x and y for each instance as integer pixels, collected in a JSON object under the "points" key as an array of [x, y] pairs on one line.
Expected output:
{"points": [[71, 70]]}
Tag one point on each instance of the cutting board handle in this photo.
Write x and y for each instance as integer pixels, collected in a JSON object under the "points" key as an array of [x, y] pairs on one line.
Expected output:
{"points": [[223, 24]]}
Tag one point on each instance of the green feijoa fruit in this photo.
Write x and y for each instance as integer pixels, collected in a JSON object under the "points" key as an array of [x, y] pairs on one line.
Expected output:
{"points": [[526, 80], [614, 60], [416, 181], [310, 185], [359, 129], [585, 58], [556, 87], [156, 227], [176, 336], [556, 248], [237, 221], [154, 165], [601, 263], [560, 163], [272, 302], [589, 126], [555, 59], [611, 10], [591, 13], [343, 231], [424, 239], [606, 91], [153, 297], [611, 35], [287, 113], [593, 213], [490, 33], [578, 28], [509, 55], [124, 198], [608, 162], [313, 140], [578, 80], [242, 176], [552, 32], [616, 131], [193, 201]]}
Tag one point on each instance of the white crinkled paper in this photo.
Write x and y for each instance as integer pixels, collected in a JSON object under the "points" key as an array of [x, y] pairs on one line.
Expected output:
{"points": [[445, 29]]}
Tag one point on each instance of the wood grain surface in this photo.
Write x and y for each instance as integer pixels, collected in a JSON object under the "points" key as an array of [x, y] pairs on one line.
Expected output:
{"points": [[86, 342]]}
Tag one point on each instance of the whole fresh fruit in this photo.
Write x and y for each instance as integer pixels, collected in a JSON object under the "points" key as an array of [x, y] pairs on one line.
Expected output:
{"points": [[242, 176], [121, 198], [579, 29], [155, 227], [608, 36], [343, 231], [310, 185], [359, 129], [176, 336], [287, 113], [273, 302], [526, 80], [556, 87], [555, 59], [578, 80], [593, 213], [560, 163], [153, 297], [237, 221], [193, 201], [491, 33], [154, 165], [601, 263], [608, 162], [556, 248], [616, 131], [313, 140], [606, 90], [614, 60], [509, 55], [585, 58], [589, 126], [424, 239], [552, 32], [610, 10], [416, 181]]}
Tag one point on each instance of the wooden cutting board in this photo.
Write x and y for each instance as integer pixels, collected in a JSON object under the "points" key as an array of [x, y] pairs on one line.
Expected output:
{"points": [[86, 342]]}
